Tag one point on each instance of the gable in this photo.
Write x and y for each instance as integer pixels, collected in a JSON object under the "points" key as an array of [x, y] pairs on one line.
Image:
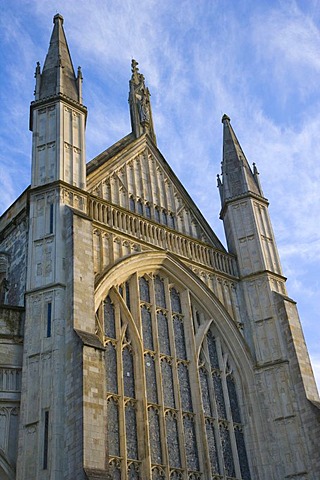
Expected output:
{"points": [[134, 175]]}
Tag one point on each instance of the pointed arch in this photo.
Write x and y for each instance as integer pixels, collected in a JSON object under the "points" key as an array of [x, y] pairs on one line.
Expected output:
{"points": [[170, 335]]}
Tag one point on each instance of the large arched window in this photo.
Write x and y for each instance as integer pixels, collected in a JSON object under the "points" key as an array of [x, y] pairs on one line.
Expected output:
{"points": [[173, 409]]}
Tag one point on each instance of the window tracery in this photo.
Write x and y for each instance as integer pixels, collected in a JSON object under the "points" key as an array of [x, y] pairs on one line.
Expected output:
{"points": [[163, 403]]}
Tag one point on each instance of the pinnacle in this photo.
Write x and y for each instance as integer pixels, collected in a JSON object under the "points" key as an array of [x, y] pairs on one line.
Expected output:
{"points": [[58, 17]]}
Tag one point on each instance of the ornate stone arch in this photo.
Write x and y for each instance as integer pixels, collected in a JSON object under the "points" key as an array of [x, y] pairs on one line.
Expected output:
{"points": [[174, 418]]}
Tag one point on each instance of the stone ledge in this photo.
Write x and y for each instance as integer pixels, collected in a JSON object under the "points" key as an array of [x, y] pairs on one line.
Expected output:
{"points": [[96, 474], [89, 339]]}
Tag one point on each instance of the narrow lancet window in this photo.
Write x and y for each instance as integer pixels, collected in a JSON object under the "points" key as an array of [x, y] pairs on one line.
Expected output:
{"points": [[45, 440], [49, 318]]}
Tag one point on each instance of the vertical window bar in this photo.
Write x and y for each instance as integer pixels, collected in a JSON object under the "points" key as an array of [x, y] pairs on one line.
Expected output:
{"points": [[46, 440], [49, 317]]}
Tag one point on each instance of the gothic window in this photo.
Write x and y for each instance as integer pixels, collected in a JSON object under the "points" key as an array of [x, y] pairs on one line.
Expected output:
{"points": [[180, 343], [175, 300], [146, 327], [159, 292], [164, 217], [144, 290], [155, 435], [157, 214], [111, 367], [139, 207], [131, 430], [147, 210], [162, 403], [190, 442], [163, 333], [128, 375], [132, 204], [113, 427], [109, 318], [151, 380], [172, 439], [171, 222]]}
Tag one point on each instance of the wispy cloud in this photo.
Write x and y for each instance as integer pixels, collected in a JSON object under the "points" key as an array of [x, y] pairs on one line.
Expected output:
{"points": [[257, 62]]}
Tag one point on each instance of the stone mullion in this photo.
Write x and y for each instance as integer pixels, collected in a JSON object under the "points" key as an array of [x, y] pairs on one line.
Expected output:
{"points": [[122, 426], [164, 449], [176, 381], [187, 312], [214, 409], [230, 421], [140, 387]]}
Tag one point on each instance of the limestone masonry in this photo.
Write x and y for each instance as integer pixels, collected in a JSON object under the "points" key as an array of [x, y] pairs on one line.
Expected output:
{"points": [[133, 345]]}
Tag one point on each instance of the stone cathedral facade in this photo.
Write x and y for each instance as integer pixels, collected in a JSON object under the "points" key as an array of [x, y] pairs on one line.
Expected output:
{"points": [[133, 344]]}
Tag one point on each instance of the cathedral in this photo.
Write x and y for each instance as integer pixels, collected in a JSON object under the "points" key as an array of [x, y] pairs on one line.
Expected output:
{"points": [[133, 344]]}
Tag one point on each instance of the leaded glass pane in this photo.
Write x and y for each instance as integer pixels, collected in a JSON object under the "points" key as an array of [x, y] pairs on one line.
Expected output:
{"points": [[179, 337], [205, 391], [175, 475], [243, 459], [233, 399], [154, 433], [146, 328], [159, 292], [128, 372], [131, 431], [185, 391], [158, 474], [214, 362], [163, 333], [115, 470], [172, 440], [144, 290], [226, 450], [217, 384], [212, 447], [151, 381], [133, 472], [190, 443], [167, 383], [111, 368], [113, 427], [175, 300], [109, 319]]}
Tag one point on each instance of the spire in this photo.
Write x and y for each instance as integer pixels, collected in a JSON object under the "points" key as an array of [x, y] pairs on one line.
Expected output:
{"points": [[140, 106], [58, 75], [237, 176]]}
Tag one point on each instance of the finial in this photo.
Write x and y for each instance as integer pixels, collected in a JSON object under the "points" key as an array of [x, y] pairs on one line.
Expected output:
{"points": [[255, 170], [37, 72], [225, 118], [219, 183], [80, 73], [135, 71], [58, 17]]}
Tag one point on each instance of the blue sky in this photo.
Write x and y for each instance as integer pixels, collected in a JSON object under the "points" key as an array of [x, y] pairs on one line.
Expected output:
{"points": [[257, 61]]}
